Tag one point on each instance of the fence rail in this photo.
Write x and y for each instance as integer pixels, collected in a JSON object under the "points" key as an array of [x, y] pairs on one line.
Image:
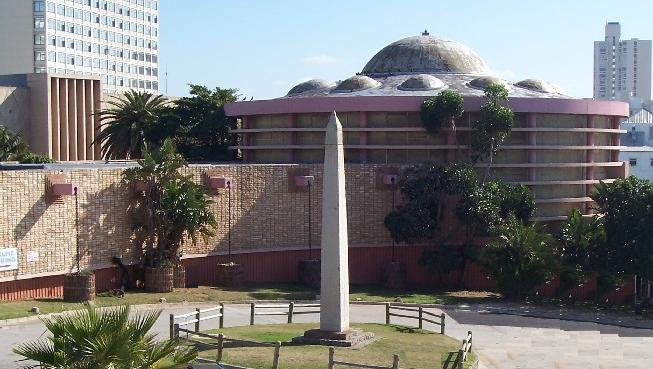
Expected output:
{"points": [[291, 309], [465, 348], [419, 313], [175, 320], [333, 362]]}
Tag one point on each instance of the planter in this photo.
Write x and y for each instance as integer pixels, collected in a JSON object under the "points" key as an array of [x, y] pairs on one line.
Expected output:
{"points": [[79, 287], [230, 275], [159, 279], [394, 275], [179, 276], [309, 272]]}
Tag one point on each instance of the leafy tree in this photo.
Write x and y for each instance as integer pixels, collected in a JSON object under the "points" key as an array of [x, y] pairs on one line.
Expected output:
{"points": [[172, 207], [104, 338], [627, 209], [202, 131], [580, 249], [441, 110], [13, 148], [520, 259], [126, 124], [493, 127]]}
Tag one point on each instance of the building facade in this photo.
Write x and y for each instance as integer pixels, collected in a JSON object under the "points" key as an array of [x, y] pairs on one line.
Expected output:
{"points": [[622, 68], [637, 144], [116, 40]]}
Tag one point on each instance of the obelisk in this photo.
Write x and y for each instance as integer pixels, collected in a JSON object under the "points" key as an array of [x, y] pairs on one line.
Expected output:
{"points": [[334, 294]]}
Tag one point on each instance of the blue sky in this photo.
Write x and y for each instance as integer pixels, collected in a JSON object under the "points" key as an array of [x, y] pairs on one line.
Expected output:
{"points": [[263, 48]]}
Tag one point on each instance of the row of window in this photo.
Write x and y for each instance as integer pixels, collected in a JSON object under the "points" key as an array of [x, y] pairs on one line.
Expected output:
{"points": [[125, 26], [91, 47], [109, 81], [633, 162], [95, 63], [100, 34], [55, 8]]}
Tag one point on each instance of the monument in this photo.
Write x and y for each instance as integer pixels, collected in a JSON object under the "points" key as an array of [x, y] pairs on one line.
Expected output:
{"points": [[334, 295]]}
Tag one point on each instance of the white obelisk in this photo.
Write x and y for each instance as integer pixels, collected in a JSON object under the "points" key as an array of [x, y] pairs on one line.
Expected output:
{"points": [[334, 294]]}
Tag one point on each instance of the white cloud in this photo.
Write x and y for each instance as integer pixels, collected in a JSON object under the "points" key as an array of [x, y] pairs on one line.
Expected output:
{"points": [[320, 60]]}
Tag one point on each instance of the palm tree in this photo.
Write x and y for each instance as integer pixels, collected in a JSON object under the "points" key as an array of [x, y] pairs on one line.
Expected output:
{"points": [[107, 338], [125, 125]]}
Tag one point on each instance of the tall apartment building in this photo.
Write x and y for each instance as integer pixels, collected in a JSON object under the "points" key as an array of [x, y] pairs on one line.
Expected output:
{"points": [[622, 68], [114, 39]]}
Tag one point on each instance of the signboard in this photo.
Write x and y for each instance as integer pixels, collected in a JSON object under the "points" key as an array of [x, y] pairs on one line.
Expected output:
{"points": [[8, 259], [32, 256]]}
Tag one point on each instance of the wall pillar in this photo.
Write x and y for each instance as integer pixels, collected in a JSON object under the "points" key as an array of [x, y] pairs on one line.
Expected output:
{"points": [[589, 159], [292, 137], [363, 135], [88, 120], [72, 120], [616, 140], [531, 121], [97, 94], [55, 117], [246, 138], [63, 119], [81, 120]]}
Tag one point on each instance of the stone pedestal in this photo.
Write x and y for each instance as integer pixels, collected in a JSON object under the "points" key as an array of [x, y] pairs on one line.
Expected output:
{"points": [[179, 279], [231, 275], [354, 338], [309, 273], [79, 287], [394, 275], [160, 280]]}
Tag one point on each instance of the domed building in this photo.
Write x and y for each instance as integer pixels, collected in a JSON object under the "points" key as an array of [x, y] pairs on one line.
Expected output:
{"points": [[560, 146]]}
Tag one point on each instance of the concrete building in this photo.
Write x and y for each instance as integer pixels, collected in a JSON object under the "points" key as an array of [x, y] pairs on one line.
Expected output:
{"points": [[622, 68], [560, 146], [116, 40], [53, 113], [637, 144]]}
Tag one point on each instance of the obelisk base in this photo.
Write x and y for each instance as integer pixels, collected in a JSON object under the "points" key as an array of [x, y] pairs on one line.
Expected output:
{"points": [[354, 338]]}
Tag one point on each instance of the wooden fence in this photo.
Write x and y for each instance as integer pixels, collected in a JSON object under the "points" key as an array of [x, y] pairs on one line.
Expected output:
{"points": [[289, 310], [418, 312], [183, 320], [333, 362], [456, 360]]}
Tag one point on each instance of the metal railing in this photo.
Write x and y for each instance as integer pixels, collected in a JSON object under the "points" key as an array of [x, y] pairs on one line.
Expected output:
{"points": [[419, 313], [291, 309]]}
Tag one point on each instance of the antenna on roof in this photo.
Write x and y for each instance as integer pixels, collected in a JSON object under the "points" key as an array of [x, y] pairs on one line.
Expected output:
{"points": [[425, 33]]}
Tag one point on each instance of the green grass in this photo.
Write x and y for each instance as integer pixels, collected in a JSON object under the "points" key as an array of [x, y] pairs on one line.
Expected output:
{"points": [[18, 309], [416, 348]]}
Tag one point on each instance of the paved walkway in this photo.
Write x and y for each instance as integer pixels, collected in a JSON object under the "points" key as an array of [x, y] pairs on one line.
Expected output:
{"points": [[505, 337]]}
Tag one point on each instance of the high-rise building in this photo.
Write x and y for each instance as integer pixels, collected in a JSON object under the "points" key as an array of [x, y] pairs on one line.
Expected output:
{"points": [[114, 39], [622, 68]]}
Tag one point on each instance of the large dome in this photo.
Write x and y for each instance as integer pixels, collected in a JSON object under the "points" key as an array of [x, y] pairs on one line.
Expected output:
{"points": [[425, 54]]}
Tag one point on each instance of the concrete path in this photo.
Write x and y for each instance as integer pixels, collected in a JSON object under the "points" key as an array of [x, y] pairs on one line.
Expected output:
{"points": [[503, 338]]}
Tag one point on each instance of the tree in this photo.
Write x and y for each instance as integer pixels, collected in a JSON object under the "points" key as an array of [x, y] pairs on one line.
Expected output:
{"points": [[493, 127], [441, 110], [580, 249], [14, 148], [627, 209], [202, 131], [125, 126], [104, 338], [172, 208], [520, 259]]}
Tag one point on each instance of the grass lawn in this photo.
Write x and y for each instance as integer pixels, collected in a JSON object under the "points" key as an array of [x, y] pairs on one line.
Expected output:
{"points": [[18, 309], [416, 348]]}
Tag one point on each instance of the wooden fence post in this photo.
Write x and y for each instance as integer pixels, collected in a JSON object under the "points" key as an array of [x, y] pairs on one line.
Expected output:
{"points": [[220, 346], [221, 324], [469, 334], [275, 359], [395, 361], [197, 319], [387, 313], [176, 331], [291, 309], [172, 326], [252, 307], [460, 357], [420, 317], [331, 352], [442, 323]]}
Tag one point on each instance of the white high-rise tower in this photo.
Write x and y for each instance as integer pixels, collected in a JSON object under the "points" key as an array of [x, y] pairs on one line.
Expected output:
{"points": [[622, 68], [114, 39]]}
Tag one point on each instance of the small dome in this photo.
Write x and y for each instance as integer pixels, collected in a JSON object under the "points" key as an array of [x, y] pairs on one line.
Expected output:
{"points": [[421, 82], [482, 82], [426, 54], [314, 84], [538, 85], [356, 83]]}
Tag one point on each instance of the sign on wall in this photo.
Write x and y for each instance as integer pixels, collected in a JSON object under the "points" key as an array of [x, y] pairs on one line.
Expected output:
{"points": [[8, 259], [32, 256]]}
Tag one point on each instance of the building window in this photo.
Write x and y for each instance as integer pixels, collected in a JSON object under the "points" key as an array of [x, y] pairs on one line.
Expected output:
{"points": [[39, 23], [39, 56], [39, 70], [39, 39], [633, 162], [39, 6]]}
